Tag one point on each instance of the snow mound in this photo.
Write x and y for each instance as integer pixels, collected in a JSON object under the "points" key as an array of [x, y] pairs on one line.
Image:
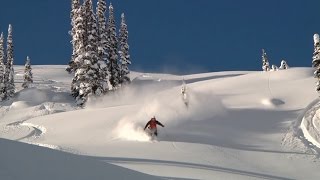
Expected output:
{"points": [[273, 102], [19, 105]]}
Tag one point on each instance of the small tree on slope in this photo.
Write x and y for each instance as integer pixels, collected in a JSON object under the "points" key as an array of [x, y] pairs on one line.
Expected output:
{"points": [[9, 72], [265, 62], [113, 66], [27, 78], [284, 65], [124, 52], [316, 60], [2, 68], [274, 68]]}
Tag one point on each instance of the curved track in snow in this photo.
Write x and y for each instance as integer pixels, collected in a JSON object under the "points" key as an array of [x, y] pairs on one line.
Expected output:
{"points": [[26, 130], [310, 124]]}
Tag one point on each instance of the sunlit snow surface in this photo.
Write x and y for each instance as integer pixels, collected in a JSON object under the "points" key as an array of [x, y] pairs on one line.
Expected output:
{"points": [[236, 125]]}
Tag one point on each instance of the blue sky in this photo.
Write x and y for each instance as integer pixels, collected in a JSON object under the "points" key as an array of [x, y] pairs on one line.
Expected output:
{"points": [[177, 35]]}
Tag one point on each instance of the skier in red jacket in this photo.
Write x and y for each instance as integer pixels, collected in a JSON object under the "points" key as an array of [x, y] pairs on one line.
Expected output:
{"points": [[153, 126]]}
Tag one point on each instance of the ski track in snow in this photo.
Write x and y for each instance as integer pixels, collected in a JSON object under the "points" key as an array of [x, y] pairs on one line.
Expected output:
{"points": [[34, 131], [309, 127], [269, 87], [302, 131]]}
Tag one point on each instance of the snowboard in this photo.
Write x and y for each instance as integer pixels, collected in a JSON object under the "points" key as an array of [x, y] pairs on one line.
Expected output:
{"points": [[151, 135]]}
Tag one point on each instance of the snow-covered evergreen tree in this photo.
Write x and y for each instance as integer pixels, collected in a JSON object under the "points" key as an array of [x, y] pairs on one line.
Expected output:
{"points": [[316, 60], [79, 60], [28, 77], [102, 27], [9, 72], [124, 52], [265, 62], [113, 65], [86, 80], [75, 5], [102, 44], [92, 49], [284, 65], [2, 68], [274, 68]]}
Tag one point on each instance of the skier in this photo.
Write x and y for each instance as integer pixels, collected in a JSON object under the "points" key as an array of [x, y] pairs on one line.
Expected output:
{"points": [[153, 126]]}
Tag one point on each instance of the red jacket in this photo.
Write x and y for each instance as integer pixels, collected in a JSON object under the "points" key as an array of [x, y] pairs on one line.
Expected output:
{"points": [[153, 124]]}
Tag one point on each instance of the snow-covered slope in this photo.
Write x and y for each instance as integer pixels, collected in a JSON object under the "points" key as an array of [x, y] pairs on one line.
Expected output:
{"points": [[237, 125]]}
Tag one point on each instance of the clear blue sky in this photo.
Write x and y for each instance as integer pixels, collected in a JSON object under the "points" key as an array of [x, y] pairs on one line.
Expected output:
{"points": [[176, 35]]}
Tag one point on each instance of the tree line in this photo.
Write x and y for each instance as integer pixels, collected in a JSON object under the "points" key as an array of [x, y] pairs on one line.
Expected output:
{"points": [[7, 86], [100, 58], [266, 65]]}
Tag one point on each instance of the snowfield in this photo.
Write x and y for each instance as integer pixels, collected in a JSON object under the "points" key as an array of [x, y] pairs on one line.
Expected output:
{"points": [[236, 125]]}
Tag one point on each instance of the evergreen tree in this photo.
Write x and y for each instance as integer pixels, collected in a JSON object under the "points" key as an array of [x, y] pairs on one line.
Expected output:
{"points": [[86, 80], [284, 65], [113, 66], [102, 44], [316, 60], [101, 17], [124, 52], [75, 5], [274, 68], [9, 72], [265, 62], [80, 34], [92, 49], [28, 77], [2, 68]]}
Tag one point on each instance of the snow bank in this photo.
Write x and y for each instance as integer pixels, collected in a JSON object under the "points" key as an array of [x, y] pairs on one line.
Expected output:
{"points": [[25, 161]]}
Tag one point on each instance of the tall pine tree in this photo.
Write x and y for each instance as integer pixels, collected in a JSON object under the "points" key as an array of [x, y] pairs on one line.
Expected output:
{"points": [[86, 81], [113, 66], [102, 44], [316, 60], [124, 52], [28, 77], [9, 72], [92, 49], [2, 68], [80, 33], [75, 5], [265, 62], [102, 28]]}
